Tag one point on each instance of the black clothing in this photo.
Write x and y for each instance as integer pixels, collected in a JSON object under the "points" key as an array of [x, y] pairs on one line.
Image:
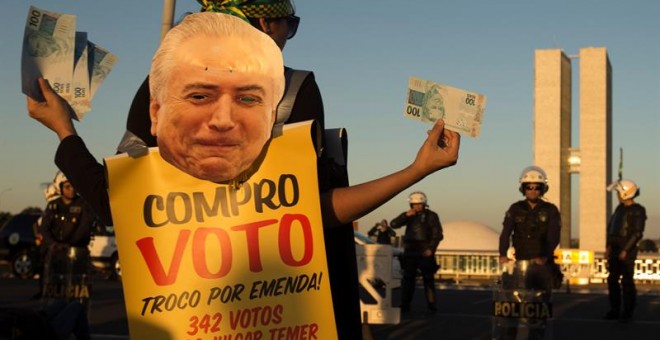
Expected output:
{"points": [[535, 230], [382, 237], [88, 177], [624, 229], [423, 232], [138, 121], [67, 224], [535, 234], [411, 265], [66, 230], [625, 288], [85, 174]]}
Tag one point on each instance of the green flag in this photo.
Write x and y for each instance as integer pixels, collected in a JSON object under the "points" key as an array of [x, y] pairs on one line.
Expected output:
{"points": [[620, 164]]}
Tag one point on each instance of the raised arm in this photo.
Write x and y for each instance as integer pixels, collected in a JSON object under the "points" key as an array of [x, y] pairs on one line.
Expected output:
{"points": [[72, 157], [353, 202]]}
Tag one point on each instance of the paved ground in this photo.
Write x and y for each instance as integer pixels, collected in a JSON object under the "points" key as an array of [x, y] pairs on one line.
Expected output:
{"points": [[464, 312]]}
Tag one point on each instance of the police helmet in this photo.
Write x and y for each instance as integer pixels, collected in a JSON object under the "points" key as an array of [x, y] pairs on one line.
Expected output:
{"points": [[533, 174], [625, 188], [417, 197], [60, 178], [51, 192]]}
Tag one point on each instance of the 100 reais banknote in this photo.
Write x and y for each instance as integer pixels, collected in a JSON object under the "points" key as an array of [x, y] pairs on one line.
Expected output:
{"points": [[461, 110], [74, 66]]}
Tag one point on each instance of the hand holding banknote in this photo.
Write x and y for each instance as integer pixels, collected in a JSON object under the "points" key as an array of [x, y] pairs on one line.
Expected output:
{"points": [[461, 110], [54, 50], [53, 112], [440, 149], [48, 51]]}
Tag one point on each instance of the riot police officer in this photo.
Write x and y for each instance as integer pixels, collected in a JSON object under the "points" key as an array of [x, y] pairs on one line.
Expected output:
{"points": [[624, 229], [51, 193], [65, 228], [534, 226], [67, 220], [422, 236]]}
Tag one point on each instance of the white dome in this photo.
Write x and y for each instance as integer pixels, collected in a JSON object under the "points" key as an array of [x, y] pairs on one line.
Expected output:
{"points": [[470, 236]]}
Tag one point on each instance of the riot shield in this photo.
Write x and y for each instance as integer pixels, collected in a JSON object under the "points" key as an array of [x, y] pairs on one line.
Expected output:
{"points": [[521, 307], [67, 275]]}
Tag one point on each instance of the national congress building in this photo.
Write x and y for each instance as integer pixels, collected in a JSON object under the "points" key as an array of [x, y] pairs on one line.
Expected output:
{"points": [[590, 157]]}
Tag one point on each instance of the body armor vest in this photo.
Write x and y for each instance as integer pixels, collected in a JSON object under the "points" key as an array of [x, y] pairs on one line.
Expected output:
{"points": [[65, 219], [530, 230], [417, 230], [623, 224]]}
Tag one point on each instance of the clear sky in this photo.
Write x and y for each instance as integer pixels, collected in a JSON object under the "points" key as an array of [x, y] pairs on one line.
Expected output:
{"points": [[362, 53]]}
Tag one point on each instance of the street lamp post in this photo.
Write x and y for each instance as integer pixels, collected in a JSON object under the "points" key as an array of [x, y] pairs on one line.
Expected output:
{"points": [[168, 17]]}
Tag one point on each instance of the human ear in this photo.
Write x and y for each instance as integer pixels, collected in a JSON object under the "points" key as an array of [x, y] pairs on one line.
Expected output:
{"points": [[264, 25], [154, 107]]}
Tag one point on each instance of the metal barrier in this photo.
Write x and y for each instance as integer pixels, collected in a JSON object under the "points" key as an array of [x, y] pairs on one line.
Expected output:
{"points": [[576, 265], [376, 278], [468, 265], [461, 266]]}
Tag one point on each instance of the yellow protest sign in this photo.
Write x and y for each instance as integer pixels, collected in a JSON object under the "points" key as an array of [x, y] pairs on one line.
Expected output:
{"points": [[202, 260]]}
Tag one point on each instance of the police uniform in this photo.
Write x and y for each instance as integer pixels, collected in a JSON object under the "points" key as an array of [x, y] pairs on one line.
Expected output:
{"points": [[534, 233], [624, 229], [67, 224], [66, 231], [423, 232]]}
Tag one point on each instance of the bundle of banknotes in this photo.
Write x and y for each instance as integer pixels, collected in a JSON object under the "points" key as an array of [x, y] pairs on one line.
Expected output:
{"points": [[461, 110], [74, 66]]}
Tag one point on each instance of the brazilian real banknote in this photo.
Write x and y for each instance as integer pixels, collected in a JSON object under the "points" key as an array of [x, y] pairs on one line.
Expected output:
{"points": [[48, 52], [102, 61], [54, 50], [461, 110], [92, 67], [81, 100]]}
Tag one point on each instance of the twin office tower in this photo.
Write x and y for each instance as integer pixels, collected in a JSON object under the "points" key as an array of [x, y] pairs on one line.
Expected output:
{"points": [[591, 156]]}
